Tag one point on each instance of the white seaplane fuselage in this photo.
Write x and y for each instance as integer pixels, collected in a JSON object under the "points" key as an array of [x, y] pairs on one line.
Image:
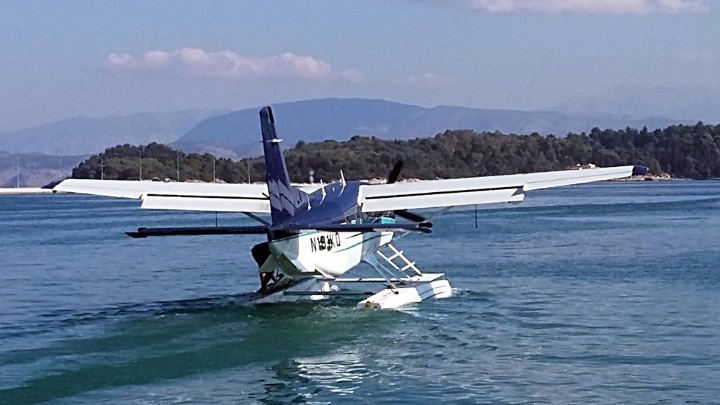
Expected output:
{"points": [[312, 263], [326, 254]]}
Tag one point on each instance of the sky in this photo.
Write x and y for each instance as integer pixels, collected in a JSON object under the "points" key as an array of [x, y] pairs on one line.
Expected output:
{"points": [[91, 58]]}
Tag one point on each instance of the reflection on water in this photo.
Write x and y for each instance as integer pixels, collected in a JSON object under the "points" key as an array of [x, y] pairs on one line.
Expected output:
{"points": [[341, 373]]}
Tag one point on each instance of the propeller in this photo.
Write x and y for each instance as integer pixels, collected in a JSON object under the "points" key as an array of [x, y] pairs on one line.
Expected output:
{"points": [[392, 178], [395, 172]]}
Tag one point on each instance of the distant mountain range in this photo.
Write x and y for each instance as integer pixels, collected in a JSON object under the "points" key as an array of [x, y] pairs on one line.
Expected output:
{"points": [[700, 102], [78, 136], [35, 169], [237, 134]]}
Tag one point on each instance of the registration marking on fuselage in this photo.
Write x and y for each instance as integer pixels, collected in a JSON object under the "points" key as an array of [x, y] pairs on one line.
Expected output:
{"points": [[324, 241]]}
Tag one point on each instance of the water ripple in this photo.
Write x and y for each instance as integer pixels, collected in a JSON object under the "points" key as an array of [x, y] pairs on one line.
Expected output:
{"points": [[598, 294]]}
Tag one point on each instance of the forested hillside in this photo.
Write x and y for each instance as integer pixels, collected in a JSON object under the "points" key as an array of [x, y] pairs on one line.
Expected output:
{"points": [[683, 151]]}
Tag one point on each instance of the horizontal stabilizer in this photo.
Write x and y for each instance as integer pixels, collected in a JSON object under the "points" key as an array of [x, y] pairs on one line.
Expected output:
{"points": [[198, 230], [421, 227]]}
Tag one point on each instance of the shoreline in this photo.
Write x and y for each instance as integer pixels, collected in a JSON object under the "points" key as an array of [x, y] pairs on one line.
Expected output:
{"points": [[650, 177], [25, 191]]}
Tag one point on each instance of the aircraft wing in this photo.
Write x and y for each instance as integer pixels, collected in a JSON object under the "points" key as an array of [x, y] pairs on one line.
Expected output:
{"points": [[177, 196], [475, 190]]}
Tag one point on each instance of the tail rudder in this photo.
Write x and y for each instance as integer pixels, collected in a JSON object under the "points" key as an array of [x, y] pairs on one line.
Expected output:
{"points": [[285, 200]]}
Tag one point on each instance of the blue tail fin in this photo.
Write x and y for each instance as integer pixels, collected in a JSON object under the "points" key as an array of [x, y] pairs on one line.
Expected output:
{"points": [[285, 200]]}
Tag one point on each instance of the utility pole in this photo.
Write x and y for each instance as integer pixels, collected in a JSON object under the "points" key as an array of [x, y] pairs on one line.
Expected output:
{"points": [[102, 168]]}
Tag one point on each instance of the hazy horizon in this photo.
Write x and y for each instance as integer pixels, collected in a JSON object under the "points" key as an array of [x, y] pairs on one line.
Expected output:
{"points": [[99, 59]]}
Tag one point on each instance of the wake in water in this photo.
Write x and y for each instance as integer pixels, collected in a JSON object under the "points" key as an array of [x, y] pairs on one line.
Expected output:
{"points": [[138, 344]]}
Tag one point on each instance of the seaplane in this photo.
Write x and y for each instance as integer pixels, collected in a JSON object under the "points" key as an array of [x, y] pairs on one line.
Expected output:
{"points": [[316, 234]]}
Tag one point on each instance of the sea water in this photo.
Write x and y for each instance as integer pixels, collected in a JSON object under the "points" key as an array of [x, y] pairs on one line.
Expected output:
{"points": [[603, 293]]}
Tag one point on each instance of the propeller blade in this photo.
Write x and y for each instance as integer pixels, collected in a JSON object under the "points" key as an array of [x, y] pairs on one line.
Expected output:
{"points": [[392, 178], [395, 172], [409, 215]]}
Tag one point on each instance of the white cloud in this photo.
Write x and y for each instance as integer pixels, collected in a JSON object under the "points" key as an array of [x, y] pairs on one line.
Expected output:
{"points": [[583, 6], [704, 57], [228, 64], [431, 80], [353, 75]]}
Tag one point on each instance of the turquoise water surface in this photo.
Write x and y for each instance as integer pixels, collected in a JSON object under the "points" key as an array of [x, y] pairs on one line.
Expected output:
{"points": [[602, 293]]}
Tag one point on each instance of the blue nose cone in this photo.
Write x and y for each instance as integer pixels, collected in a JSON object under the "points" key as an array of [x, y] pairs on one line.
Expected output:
{"points": [[640, 170]]}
